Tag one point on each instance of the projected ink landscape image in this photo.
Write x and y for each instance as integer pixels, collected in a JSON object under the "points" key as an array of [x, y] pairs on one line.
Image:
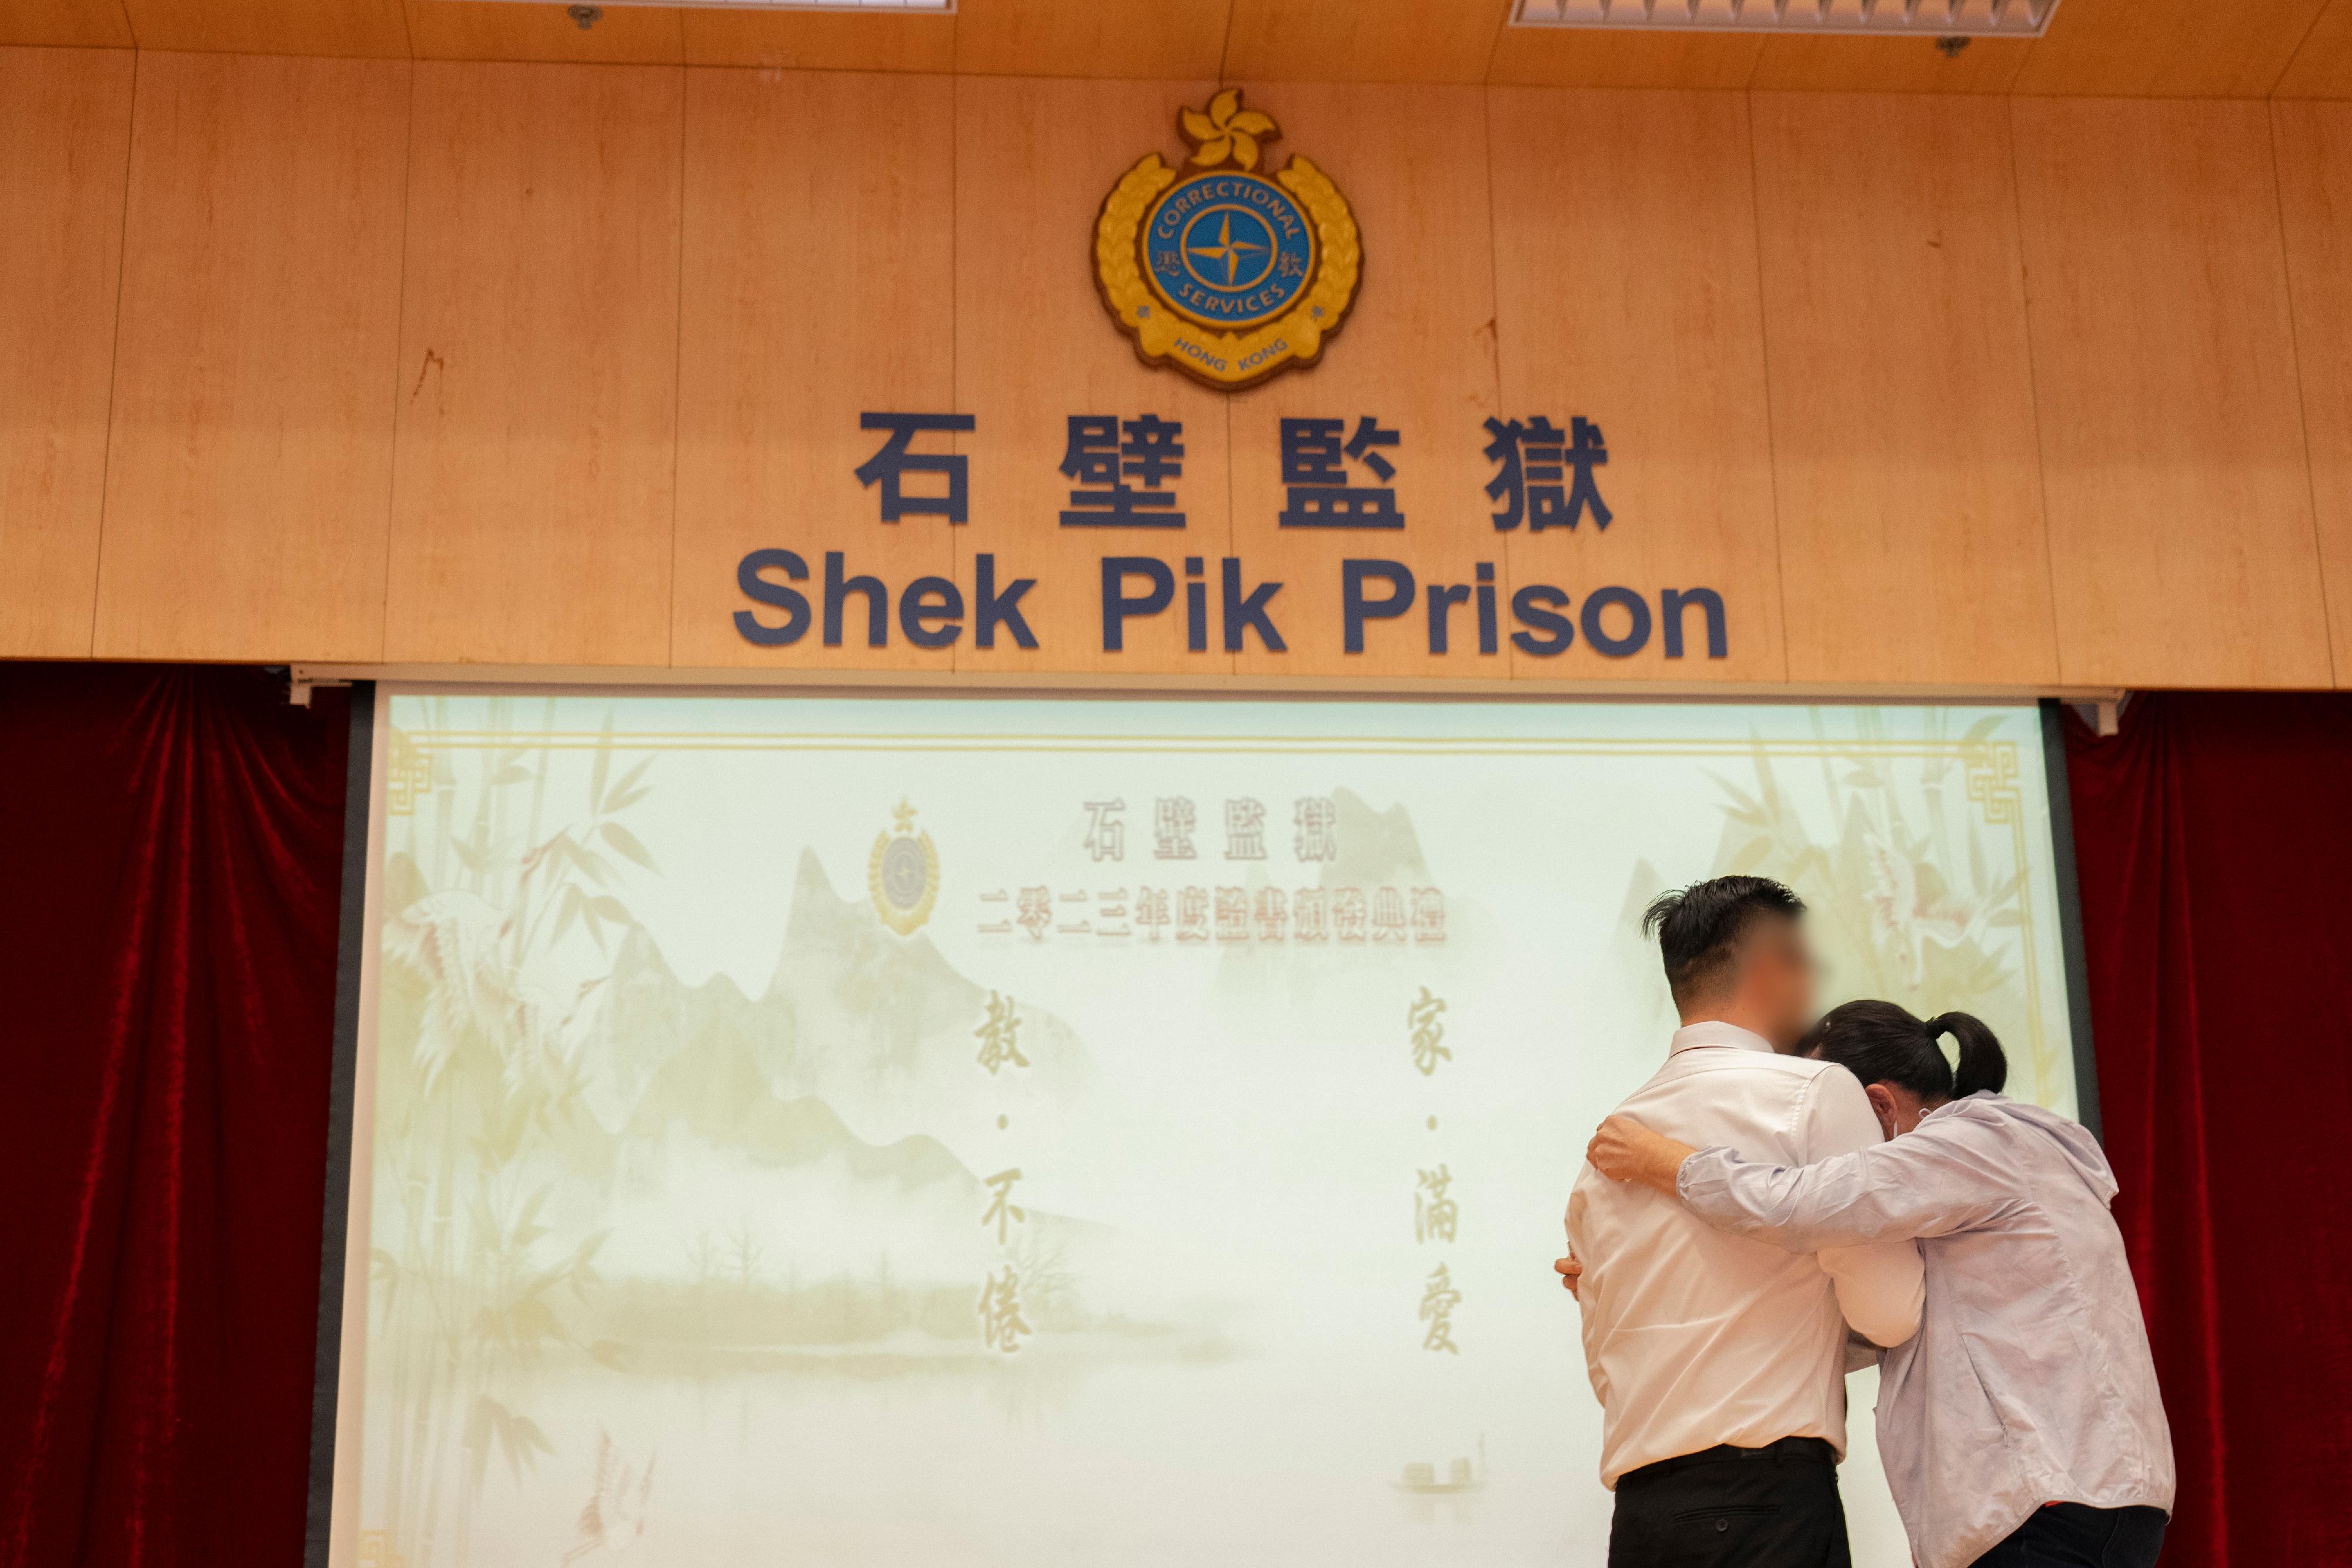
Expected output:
{"points": [[582, 1158], [829, 1131]]}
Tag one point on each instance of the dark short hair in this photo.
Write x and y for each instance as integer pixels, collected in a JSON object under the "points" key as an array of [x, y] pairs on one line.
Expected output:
{"points": [[1880, 1042], [1700, 928]]}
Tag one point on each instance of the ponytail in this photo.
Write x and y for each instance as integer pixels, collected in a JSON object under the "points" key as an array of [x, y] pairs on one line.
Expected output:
{"points": [[1983, 1065], [1880, 1042]]}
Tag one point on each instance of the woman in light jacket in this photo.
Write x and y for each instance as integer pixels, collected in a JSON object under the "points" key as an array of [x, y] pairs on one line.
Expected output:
{"points": [[2022, 1424]]}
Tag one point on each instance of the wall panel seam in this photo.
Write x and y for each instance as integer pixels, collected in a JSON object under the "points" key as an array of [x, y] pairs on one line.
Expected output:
{"points": [[2033, 379], [2302, 404], [1764, 349], [2034, 394], [399, 338], [114, 359], [1494, 302], [958, 552], [678, 352]]}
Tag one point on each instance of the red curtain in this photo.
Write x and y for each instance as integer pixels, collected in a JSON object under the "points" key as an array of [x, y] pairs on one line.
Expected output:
{"points": [[170, 883], [2214, 842]]}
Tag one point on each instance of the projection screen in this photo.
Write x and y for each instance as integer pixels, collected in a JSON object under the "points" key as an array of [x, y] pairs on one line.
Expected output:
{"points": [[1007, 1131]]}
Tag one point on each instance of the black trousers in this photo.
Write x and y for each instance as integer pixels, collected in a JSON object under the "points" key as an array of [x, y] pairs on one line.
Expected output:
{"points": [[2076, 1535], [1775, 1507]]}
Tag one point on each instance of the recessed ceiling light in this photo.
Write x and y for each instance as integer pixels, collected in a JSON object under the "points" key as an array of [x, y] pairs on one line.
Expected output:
{"points": [[1885, 19]]}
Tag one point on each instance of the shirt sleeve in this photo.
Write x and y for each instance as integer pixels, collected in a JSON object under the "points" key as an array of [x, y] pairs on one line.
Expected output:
{"points": [[1936, 1181], [1587, 1327], [1881, 1287]]}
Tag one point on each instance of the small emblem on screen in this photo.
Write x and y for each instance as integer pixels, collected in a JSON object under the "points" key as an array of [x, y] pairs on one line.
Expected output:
{"points": [[903, 874]]}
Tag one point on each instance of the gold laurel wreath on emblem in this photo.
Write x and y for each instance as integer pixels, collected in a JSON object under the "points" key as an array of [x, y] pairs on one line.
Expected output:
{"points": [[902, 918], [1224, 135]]}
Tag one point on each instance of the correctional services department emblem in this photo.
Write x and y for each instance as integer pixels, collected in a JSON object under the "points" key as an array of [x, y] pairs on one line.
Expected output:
{"points": [[1222, 272], [903, 874]]}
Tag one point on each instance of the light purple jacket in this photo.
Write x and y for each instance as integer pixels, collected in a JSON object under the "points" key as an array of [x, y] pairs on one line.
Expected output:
{"points": [[2030, 1379]]}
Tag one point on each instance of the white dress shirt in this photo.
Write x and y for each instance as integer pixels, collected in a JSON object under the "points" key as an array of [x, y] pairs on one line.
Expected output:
{"points": [[2030, 1381], [1694, 1336]]}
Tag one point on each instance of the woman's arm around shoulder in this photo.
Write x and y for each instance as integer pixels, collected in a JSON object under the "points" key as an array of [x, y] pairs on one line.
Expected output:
{"points": [[1948, 1176]]}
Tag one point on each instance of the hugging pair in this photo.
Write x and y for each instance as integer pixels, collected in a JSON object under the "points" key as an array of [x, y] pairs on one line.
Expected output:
{"points": [[1788, 1200]]}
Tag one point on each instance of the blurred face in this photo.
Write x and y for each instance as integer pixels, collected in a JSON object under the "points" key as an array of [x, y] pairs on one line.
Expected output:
{"points": [[1776, 981]]}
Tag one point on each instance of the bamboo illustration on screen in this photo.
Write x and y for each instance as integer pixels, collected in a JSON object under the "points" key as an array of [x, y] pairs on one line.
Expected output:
{"points": [[537, 1058], [465, 1290], [1919, 896]]}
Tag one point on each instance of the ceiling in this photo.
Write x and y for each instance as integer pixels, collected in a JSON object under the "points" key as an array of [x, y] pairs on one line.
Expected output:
{"points": [[2190, 48]]}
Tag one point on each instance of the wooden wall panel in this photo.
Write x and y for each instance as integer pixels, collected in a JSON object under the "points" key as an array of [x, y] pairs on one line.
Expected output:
{"points": [[502, 30], [1626, 293], [2168, 48], [2175, 475], [1417, 354], [1904, 453], [370, 28], [1587, 56], [532, 499], [66, 24], [818, 41], [65, 129], [1034, 158], [820, 241], [1181, 39], [501, 438], [1363, 40], [2315, 162], [248, 481]]}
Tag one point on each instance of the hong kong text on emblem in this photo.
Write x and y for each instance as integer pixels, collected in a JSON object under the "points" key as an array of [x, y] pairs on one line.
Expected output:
{"points": [[903, 874], [1228, 275]]}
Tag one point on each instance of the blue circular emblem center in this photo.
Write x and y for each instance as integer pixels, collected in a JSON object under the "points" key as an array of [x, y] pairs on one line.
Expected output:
{"points": [[904, 872], [1228, 250]]}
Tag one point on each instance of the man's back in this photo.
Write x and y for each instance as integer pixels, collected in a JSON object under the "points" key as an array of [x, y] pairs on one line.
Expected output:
{"points": [[1695, 1337]]}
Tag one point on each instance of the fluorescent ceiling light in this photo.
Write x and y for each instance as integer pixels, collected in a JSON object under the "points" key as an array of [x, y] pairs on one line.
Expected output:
{"points": [[1885, 19]]}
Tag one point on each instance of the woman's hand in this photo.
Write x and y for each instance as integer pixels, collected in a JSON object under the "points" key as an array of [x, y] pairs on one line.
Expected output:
{"points": [[1624, 1150], [1569, 1269]]}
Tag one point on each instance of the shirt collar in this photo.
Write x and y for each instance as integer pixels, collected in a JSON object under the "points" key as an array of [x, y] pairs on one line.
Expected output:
{"points": [[1715, 1031]]}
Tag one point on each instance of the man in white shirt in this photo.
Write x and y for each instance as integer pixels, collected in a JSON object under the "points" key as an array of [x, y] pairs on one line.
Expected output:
{"points": [[1719, 1361]]}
